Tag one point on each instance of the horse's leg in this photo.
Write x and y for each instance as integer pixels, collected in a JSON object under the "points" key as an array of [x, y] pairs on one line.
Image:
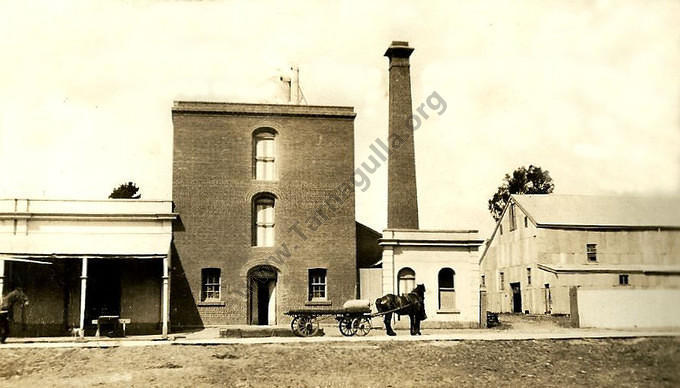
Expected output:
{"points": [[418, 324], [4, 329], [388, 324], [412, 319]]}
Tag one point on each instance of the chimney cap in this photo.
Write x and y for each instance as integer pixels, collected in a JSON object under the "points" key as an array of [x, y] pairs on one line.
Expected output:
{"points": [[399, 49]]}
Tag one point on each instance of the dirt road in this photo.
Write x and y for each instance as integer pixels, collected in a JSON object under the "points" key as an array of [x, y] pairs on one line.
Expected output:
{"points": [[631, 362]]}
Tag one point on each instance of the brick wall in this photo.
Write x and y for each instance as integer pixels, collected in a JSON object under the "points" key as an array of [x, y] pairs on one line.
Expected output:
{"points": [[212, 190]]}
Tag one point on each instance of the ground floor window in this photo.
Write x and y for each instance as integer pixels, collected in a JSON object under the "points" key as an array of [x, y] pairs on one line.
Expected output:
{"points": [[623, 280], [317, 284], [447, 291], [210, 284], [406, 280]]}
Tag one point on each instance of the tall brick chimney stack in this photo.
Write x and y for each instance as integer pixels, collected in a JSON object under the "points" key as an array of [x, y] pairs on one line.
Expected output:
{"points": [[402, 198]]}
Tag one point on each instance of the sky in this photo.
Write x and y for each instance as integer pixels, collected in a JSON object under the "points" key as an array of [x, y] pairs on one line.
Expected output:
{"points": [[589, 90]]}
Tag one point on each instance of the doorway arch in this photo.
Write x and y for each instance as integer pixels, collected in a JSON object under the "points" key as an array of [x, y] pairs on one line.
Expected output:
{"points": [[262, 284]]}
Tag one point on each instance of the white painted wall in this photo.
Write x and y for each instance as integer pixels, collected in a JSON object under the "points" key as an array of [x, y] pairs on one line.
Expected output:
{"points": [[370, 285], [427, 262], [629, 308], [85, 227]]}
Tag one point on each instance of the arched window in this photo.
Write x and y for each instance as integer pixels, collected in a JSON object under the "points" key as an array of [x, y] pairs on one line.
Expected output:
{"points": [[263, 220], [264, 154], [447, 290], [407, 281]]}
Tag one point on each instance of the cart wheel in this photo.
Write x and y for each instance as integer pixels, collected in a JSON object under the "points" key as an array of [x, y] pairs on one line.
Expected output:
{"points": [[346, 327], [362, 326], [304, 326]]}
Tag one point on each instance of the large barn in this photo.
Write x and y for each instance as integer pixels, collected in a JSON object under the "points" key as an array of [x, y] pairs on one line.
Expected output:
{"points": [[545, 244]]}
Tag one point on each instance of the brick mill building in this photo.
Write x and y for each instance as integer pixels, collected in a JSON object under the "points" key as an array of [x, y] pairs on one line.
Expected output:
{"points": [[265, 197]]}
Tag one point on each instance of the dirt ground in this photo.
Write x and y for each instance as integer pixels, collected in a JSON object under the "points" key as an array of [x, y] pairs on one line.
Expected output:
{"points": [[640, 362]]}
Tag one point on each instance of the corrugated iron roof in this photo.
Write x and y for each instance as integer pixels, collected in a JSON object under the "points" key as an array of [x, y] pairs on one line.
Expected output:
{"points": [[604, 211]]}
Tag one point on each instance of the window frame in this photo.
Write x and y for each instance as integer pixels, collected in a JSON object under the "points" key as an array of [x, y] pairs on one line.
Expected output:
{"points": [[591, 253], [528, 276], [513, 220], [258, 200], [259, 134], [405, 275], [446, 289], [501, 280], [313, 273], [206, 284]]}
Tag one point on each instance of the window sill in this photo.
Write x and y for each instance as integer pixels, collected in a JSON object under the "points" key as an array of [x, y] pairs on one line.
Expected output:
{"points": [[211, 303], [318, 303], [448, 312]]}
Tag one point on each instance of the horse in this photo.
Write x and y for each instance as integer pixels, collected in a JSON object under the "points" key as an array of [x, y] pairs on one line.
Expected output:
{"points": [[7, 308], [412, 304]]}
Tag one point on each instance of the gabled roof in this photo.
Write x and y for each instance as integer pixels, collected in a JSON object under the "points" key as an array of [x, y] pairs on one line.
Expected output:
{"points": [[566, 211], [575, 211]]}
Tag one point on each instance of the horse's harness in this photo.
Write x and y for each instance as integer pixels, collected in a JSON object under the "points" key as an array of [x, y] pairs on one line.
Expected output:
{"points": [[401, 307]]}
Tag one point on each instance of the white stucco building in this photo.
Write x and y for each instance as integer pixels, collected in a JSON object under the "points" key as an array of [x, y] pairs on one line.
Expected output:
{"points": [[446, 262]]}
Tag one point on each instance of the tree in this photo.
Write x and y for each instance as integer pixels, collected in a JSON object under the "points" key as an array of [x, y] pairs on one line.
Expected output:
{"points": [[532, 180], [126, 190]]}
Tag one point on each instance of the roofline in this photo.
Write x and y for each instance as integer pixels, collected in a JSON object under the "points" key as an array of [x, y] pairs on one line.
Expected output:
{"points": [[498, 223], [432, 230], [26, 257], [595, 269], [88, 216], [87, 200], [431, 243], [607, 227], [254, 109]]}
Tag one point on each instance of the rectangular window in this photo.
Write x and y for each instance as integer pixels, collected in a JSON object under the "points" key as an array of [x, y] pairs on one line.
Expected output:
{"points": [[501, 281], [500, 227], [513, 223], [591, 252], [483, 283], [529, 276], [317, 284], [526, 221], [623, 280], [210, 284]]}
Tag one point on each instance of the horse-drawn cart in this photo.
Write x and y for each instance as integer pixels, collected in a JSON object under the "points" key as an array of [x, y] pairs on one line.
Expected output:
{"points": [[353, 319]]}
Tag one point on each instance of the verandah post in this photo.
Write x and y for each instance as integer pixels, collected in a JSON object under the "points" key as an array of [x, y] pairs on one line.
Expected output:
{"points": [[2, 277], [166, 295], [83, 290]]}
